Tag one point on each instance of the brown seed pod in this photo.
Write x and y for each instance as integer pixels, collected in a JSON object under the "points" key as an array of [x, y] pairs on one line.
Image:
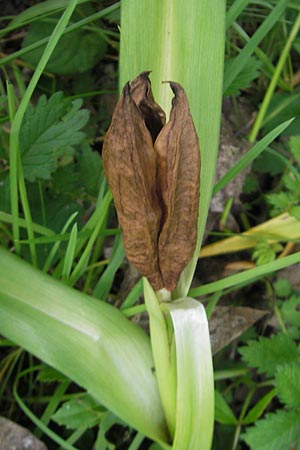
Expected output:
{"points": [[153, 169]]}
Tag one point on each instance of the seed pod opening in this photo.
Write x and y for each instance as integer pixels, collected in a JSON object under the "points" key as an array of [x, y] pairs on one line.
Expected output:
{"points": [[153, 171]]}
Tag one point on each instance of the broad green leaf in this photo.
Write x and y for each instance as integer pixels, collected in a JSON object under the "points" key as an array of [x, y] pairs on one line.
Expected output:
{"points": [[195, 383], [50, 131], [287, 381], [76, 52], [223, 412], [267, 354], [278, 431], [80, 412], [87, 340]]}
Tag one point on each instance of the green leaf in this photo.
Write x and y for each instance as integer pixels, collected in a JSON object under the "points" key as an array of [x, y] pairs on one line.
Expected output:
{"points": [[288, 384], [291, 310], [282, 287], [76, 52], [278, 431], [283, 106], [80, 412], [223, 412], [89, 169], [294, 146], [48, 374], [279, 202], [259, 408], [49, 132], [267, 354], [195, 385], [89, 341], [295, 212], [243, 79]]}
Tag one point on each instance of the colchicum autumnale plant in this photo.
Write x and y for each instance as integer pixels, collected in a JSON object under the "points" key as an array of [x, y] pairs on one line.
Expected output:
{"points": [[153, 171]]}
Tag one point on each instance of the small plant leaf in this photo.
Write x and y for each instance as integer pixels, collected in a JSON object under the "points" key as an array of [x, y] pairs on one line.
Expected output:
{"points": [[80, 412], [267, 354], [223, 412], [288, 384], [49, 132], [276, 431], [76, 52], [242, 81], [258, 409]]}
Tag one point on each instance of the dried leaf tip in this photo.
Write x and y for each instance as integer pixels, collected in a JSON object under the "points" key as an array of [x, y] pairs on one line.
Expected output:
{"points": [[153, 171]]}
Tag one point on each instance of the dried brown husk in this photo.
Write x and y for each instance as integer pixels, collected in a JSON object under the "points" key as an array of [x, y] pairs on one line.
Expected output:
{"points": [[152, 169]]}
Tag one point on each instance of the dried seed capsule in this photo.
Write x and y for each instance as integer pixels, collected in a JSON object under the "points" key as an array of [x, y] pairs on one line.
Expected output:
{"points": [[152, 169]]}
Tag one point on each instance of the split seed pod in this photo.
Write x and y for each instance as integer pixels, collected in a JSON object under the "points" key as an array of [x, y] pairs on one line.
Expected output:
{"points": [[153, 171]]}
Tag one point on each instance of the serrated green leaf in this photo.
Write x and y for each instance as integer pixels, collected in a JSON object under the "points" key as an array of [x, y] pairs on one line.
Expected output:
{"points": [[223, 412], [258, 409], [267, 354], [288, 384], [277, 431], [291, 310], [242, 81], [50, 130], [81, 412], [76, 52], [279, 202]]}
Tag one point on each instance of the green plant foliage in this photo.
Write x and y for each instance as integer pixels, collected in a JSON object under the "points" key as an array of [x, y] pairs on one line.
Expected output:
{"points": [[288, 197], [282, 287], [49, 133], [243, 80], [291, 310], [278, 431], [80, 412], [283, 106], [288, 384], [267, 354], [265, 252], [223, 412], [76, 52]]}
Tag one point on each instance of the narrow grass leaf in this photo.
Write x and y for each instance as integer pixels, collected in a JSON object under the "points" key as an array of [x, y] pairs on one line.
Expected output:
{"points": [[246, 277], [253, 153], [104, 284], [70, 252], [256, 412], [56, 246], [239, 62]]}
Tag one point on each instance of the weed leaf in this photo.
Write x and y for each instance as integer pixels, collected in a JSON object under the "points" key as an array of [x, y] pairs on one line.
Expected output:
{"points": [[49, 132], [277, 431], [288, 384], [267, 354]]}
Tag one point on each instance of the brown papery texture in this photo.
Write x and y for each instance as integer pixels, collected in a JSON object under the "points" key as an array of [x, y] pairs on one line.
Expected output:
{"points": [[129, 164], [178, 180], [153, 171]]}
